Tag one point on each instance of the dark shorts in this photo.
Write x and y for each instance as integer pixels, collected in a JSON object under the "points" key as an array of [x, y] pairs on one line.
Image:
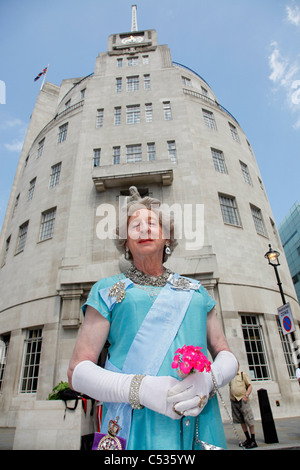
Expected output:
{"points": [[242, 413]]}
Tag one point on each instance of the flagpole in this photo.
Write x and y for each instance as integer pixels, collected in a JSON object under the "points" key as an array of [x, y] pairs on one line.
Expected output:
{"points": [[44, 77]]}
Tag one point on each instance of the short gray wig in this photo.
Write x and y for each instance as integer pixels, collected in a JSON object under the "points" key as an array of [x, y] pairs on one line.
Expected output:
{"points": [[135, 202]]}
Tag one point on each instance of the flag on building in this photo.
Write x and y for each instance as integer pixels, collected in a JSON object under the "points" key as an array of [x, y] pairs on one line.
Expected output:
{"points": [[43, 72]]}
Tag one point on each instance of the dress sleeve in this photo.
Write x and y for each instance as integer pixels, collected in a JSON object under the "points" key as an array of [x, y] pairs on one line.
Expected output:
{"points": [[209, 301], [94, 300]]}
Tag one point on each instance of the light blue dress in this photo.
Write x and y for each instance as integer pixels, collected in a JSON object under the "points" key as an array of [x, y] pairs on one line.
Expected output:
{"points": [[151, 430]]}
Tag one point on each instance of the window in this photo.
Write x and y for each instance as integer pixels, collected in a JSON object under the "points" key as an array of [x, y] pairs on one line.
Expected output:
{"points": [[287, 351], [31, 189], [186, 81], [16, 204], [204, 91], [209, 119], [99, 119], [133, 83], [133, 114], [148, 112], [55, 175], [4, 343], [23, 229], [47, 224], [172, 151], [116, 155], [167, 111], [82, 93], [118, 85], [275, 233], [132, 61], [258, 220], [234, 132], [120, 62], [219, 160], [96, 159], [245, 173], [117, 116], [31, 361], [229, 210], [7, 245], [134, 153], [145, 59], [249, 146], [255, 348], [147, 83], [40, 148], [151, 151], [62, 133]]}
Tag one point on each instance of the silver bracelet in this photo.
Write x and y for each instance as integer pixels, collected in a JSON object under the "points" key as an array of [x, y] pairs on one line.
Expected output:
{"points": [[134, 400]]}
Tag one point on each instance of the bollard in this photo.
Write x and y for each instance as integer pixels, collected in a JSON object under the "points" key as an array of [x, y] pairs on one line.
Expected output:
{"points": [[267, 420]]}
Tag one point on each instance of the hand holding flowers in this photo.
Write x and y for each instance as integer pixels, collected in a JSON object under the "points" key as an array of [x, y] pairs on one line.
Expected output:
{"points": [[190, 395], [189, 359]]}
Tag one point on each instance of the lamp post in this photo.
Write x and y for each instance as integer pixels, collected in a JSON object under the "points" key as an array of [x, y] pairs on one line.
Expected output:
{"points": [[272, 256]]}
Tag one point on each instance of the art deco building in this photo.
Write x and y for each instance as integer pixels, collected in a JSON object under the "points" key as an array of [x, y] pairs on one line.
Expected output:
{"points": [[140, 119]]}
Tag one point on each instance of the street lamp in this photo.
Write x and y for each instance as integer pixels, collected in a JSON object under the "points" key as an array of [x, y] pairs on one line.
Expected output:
{"points": [[272, 256]]}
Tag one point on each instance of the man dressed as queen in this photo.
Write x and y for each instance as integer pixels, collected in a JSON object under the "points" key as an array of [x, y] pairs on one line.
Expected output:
{"points": [[148, 314]]}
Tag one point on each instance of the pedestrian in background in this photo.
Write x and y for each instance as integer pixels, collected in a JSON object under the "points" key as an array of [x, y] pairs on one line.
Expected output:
{"points": [[240, 389]]}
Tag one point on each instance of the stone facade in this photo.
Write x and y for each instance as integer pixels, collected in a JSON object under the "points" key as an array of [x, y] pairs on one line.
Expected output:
{"points": [[142, 120]]}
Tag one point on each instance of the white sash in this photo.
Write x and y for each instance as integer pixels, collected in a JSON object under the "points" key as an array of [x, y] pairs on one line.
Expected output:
{"points": [[156, 334]]}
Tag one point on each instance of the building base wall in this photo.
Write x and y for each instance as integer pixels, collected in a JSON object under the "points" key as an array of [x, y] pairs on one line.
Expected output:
{"points": [[47, 425]]}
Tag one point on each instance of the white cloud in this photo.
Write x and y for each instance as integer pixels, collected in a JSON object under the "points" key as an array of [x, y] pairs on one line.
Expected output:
{"points": [[15, 131], [15, 146], [15, 122], [293, 15], [285, 75], [277, 64], [297, 125]]}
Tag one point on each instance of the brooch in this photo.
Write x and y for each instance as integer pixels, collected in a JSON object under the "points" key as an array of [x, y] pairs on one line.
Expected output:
{"points": [[110, 441], [118, 291], [182, 283]]}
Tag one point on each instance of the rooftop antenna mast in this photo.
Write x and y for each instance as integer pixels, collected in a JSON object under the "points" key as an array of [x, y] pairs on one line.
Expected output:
{"points": [[134, 26]]}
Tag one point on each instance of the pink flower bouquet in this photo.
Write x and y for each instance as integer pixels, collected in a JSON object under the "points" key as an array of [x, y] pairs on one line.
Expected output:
{"points": [[189, 359]]}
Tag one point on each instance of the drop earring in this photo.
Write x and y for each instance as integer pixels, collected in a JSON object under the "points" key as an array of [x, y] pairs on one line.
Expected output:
{"points": [[167, 249], [127, 253]]}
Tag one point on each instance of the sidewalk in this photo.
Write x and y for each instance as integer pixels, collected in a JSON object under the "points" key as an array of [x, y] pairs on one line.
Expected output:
{"points": [[288, 433]]}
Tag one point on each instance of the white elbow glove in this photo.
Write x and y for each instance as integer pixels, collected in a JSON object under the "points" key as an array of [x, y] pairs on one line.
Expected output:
{"points": [[106, 386], [101, 384], [191, 394]]}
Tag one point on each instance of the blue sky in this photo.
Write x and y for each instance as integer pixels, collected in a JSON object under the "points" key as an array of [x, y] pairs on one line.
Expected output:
{"points": [[247, 50]]}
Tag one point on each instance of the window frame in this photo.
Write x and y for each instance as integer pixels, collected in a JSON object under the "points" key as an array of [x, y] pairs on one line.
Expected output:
{"points": [[219, 161], [55, 175], [230, 212], [255, 348], [31, 361], [209, 119], [62, 133], [47, 225], [22, 236]]}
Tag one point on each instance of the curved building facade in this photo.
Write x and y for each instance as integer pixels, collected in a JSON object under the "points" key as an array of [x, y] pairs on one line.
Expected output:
{"points": [[139, 119]]}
